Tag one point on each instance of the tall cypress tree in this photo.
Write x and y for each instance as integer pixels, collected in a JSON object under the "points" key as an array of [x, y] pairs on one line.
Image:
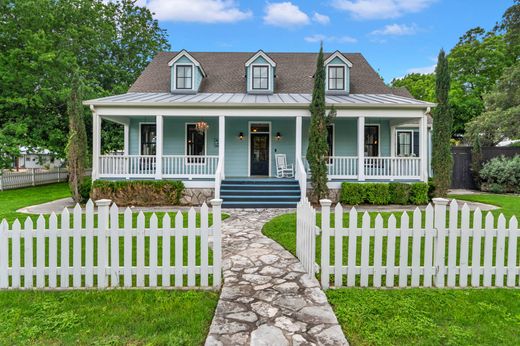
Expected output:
{"points": [[318, 147], [442, 161], [77, 141]]}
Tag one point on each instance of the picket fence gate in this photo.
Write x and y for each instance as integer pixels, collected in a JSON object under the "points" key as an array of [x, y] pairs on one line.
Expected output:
{"points": [[78, 253], [440, 251]]}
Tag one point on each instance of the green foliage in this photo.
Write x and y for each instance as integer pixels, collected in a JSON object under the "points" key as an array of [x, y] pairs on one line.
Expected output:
{"points": [[318, 147], [421, 86], [431, 189], [501, 175], [139, 192], [419, 193], [11, 138], [399, 193], [352, 193], [377, 193], [442, 160], [84, 189], [43, 41]]}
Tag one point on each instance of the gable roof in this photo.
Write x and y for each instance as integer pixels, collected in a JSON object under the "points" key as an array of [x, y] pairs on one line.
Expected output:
{"points": [[337, 54], [225, 73], [185, 53], [263, 55]]}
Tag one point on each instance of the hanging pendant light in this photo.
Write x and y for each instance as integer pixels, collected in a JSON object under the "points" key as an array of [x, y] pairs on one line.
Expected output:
{"points": [[201, 126]]}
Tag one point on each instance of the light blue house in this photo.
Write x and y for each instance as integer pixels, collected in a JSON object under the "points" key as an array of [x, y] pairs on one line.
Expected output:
{"points": [[218, 120]]}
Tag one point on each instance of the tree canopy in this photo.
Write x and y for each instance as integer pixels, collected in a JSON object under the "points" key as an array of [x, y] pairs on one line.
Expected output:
{"points": [[42, 42]]}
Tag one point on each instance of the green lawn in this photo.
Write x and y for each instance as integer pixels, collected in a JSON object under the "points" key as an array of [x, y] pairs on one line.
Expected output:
{"points": [[419, 316], [122, 317], [115, 317]]}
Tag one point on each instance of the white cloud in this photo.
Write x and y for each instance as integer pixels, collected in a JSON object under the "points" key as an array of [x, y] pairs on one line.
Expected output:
{"points": [[338, 39], [320, 18], [396, 30], [285, 14], [422, 70], [381, 9], [201, 11]]}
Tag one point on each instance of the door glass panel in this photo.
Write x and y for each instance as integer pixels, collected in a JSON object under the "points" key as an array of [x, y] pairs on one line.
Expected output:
{"points": [[259, 128], [371, 140], [148, 139]]}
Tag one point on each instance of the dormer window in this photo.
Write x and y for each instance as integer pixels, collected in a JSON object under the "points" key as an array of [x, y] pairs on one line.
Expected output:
{"points": [[336, 77], [184, 76], [260, 77]]}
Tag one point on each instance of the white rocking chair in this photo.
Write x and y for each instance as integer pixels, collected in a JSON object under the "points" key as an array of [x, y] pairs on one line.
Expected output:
{"points": [[283, 170]]}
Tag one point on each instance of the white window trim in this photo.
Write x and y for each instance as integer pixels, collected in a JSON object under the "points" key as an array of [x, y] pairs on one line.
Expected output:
{"points": [[249, 144], [344, 77], [141, 133], [411, 131], [269, 88], [378, 140], [186, 145], [192, 76]]}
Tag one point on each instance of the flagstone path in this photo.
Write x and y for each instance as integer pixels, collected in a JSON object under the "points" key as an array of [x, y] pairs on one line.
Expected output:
{"points": [[267, 298]]}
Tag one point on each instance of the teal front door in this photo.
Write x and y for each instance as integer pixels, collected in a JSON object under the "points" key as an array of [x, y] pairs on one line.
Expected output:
{"points": [[259, 154]]}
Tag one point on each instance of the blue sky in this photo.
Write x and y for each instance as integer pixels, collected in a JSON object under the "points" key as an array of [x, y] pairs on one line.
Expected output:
{"points": [[396, 36]]}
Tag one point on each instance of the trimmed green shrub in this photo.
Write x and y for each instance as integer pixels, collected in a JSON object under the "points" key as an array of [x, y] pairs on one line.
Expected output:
{"points": [[84, 189], [419, 193], [399, 193], [501, 174], [352, 193], [377, 193], [139, 192]]}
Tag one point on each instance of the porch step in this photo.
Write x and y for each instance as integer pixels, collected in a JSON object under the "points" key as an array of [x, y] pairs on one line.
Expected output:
{"points": [[260, 193]]}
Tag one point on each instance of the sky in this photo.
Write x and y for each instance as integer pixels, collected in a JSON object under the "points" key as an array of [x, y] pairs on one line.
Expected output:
{"points": [[397, 37]]}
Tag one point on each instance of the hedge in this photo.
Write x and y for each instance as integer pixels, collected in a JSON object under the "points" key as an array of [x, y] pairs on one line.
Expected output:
{"points": [[384, 193], [139, 192], [501, 175]]}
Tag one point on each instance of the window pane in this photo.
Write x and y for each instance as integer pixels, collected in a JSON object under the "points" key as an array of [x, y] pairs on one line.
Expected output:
{"points": [[195, 141], [180, 83], [263, 71], [187, 71], [416, 143], [256, 83], [187, 82], [371, 141], [259, 127], [330, 139], [339, 84], [148, 139], [180, 71]]}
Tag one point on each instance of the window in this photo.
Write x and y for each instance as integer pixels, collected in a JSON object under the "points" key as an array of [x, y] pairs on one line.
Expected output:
{"points": [[407, 143], [260, 77], [195, 143], [336, 78], [371, 140], [148, 139], [330, 140], [183, 77]]}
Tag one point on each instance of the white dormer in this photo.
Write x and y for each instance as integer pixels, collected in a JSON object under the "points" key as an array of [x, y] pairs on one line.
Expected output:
{"points": [[337, 72], [260, 74], [186, 73]]}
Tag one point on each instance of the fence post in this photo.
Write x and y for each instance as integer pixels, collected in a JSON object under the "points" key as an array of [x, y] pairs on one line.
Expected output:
{"points": [[217, 239], [58, 174], [32, 177], [440, 242], [325, 242], [1, 181], [102, 254]]}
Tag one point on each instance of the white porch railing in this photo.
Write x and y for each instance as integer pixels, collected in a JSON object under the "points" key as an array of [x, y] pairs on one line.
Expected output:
{"points": [[392, 167], [301, 176], [190, 166], [345, 167], [144, 166]]}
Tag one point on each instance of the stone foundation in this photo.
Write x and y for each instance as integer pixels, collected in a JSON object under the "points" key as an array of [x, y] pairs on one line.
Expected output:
{"points": [[334, 195], [197, 196]]}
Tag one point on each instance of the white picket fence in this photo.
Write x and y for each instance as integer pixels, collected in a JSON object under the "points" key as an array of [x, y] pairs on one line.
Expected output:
{"points": [[438, 251], [33, 177], [83, 252]]}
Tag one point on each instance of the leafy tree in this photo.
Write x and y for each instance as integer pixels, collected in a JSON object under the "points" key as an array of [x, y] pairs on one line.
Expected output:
{"points": [[501, 120], [421, 86], [442, 160], [318, 148], [11, 138], [77, 141], [41, 41]]}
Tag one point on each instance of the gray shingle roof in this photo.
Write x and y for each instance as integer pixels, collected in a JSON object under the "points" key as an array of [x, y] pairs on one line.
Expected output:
{"points": [[226, 73]]}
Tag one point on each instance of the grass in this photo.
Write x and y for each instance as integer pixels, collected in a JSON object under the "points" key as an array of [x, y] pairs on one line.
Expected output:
{"points": [[115, 317], [419, 316], [122, 317]]}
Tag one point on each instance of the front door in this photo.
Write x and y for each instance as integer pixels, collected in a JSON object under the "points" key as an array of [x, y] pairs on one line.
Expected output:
{"points": [[259, 154]]}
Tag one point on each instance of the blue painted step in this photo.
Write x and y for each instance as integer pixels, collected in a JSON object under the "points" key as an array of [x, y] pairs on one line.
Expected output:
{"points": [[260, 193]]}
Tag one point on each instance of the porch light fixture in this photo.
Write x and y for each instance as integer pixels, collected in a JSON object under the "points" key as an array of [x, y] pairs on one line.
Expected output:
{"points": [[241, 136], [278, 136], [201, 126]]}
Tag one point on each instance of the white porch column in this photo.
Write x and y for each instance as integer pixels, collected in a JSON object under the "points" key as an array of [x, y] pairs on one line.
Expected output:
{"points": [[221, 138], [423, 146], [126, 139], [96, 143], [298, 144], [361, 148], [158, 146]]}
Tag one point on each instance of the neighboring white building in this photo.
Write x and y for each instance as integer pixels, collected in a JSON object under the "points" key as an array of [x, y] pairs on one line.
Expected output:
{"points": [[36, 158]]}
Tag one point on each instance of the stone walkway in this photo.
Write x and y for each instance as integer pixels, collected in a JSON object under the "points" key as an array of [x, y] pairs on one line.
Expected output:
{"points": [[267, 299]]}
